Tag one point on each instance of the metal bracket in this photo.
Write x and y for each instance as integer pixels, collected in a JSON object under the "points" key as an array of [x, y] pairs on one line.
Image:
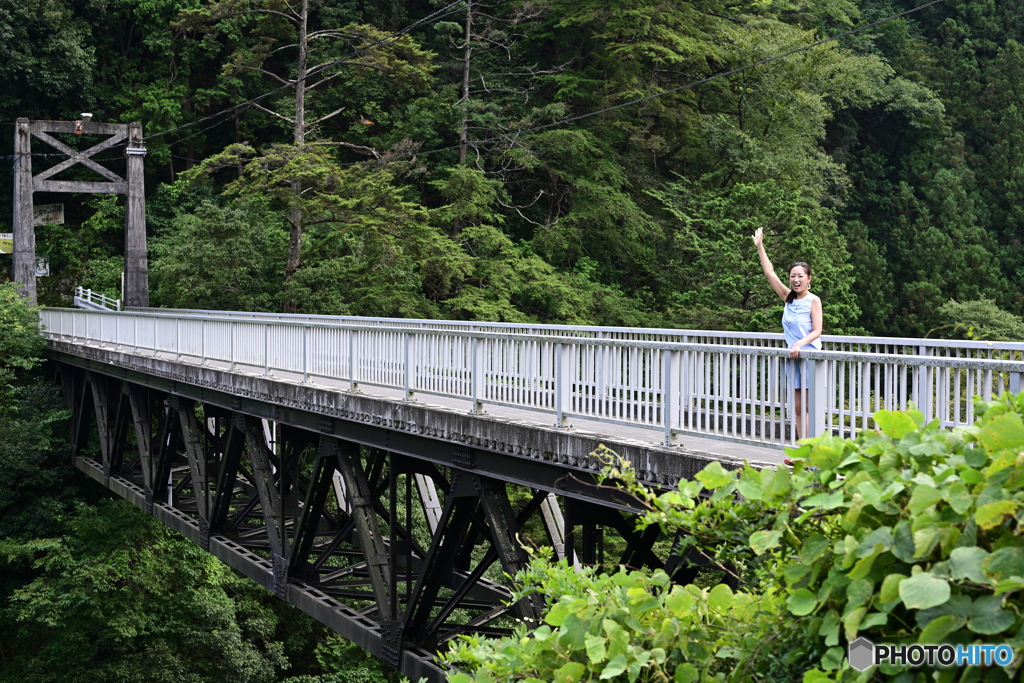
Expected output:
{"points": [[280, 577], [463, 457], [391, 643], [326, 424], [204, 535]]}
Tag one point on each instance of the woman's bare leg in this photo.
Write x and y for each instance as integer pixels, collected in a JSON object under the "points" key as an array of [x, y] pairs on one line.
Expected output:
{"points": [[799, 416]]}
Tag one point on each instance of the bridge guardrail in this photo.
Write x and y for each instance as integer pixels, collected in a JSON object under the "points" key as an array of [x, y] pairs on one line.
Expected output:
{"points": [[740, 391], [830, 342], [88, 299]]}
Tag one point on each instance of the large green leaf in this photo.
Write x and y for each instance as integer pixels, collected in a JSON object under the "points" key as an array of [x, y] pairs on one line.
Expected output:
{"points": [[763, 541], [891, 587], [596, 650], [574, 633], [1003, 431], [615, 667], [1004, 564], [992, 515], [828, 452], [966, 563], [924, 590], [923, 497], [937, 629], [859, 592], [903, 542], [988, 617], [897, 425], [825, 501], [813, 547], [802, 602], [720, 598], [714, 476], [878, 540], [572, 672], [960, 499], [749, 483]]}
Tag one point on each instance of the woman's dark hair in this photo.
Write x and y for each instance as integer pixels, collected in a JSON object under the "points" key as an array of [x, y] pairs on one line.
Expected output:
{"points": [[807, 269]]}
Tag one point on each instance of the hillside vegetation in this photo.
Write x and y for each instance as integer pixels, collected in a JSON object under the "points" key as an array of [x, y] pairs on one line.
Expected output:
{"points": [[889, 159]]}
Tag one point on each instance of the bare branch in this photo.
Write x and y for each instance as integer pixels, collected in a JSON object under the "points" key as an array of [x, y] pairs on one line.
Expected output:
{"points": [[368, 150], [324, 118], [272, 113], [263, 71], [328, 33], [310, 86], [292, 10]]}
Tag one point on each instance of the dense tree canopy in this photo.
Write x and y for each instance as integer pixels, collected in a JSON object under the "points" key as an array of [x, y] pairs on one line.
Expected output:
{"points": [[887, 159]]}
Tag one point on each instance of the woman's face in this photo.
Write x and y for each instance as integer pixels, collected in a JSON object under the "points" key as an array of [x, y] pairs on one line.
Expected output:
{"points": [[799, 280]]}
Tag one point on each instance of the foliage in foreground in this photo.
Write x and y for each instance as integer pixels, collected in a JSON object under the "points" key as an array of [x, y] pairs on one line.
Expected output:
{"points": [[906, 534], [91, 589]]}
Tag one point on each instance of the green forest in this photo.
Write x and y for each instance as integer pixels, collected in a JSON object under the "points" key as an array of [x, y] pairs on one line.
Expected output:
{"points": [[433, 183], [551, 161]]}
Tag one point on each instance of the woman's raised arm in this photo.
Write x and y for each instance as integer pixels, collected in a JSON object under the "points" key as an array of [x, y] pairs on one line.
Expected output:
{"points": [[766, 265]]}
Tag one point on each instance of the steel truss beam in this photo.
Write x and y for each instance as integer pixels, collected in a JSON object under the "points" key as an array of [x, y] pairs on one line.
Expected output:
{"points": [[268, 510]]}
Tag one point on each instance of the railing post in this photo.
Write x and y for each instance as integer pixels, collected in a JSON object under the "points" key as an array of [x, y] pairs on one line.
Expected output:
{"points": [[670, 394], [479, 373], [408, 364], [563, 384], [177, 339], [1014, 382], [816, 395], [305, 367], [135, 333], [924, 385], [202, 342], [353, 385], [231, 332], [266, 349]]}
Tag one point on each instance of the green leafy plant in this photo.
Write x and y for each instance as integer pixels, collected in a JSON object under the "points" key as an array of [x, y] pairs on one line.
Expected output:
{"points": [[907, 534]]}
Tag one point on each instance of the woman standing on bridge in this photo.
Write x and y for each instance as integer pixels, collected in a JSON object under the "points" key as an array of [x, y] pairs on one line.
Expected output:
{"points": [[801, 319]]}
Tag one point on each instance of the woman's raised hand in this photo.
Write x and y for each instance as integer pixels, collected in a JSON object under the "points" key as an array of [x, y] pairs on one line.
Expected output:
{"points": [[758, 237]]}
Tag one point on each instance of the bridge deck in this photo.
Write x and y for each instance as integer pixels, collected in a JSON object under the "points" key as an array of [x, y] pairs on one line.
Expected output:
{"points": [[522, 433]]}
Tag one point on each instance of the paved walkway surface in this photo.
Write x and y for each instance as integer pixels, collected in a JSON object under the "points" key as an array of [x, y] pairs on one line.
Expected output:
{"points": [[709, 445], [713, 446]]}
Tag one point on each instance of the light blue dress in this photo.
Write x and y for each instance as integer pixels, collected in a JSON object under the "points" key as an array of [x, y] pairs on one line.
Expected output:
{"points": [[796, 324]]}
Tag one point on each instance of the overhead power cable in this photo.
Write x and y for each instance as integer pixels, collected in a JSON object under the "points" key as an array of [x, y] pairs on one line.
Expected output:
{"points": [[768, 60]]}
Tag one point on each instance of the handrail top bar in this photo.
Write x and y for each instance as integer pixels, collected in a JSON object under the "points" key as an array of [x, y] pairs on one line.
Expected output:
{"points": [[309, 319], [997, 365]]}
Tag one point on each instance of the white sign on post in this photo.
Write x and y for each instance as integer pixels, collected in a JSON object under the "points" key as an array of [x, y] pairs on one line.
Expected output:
{"points": [[6, 242], [47, 213]]}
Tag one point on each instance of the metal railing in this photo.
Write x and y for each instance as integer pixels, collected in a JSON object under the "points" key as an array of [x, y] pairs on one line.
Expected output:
{"points": [[742, 391], [94, 301]]}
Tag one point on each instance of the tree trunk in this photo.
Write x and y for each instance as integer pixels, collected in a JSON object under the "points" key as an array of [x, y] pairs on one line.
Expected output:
{"points": [[464, 130], [295, 214]]}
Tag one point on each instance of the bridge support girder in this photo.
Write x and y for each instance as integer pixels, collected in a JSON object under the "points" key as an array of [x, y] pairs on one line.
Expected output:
{"points": [[408, 539]]}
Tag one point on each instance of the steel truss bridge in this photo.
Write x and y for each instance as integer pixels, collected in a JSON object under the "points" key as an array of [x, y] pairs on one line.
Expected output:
{"points": [[361, 468]]}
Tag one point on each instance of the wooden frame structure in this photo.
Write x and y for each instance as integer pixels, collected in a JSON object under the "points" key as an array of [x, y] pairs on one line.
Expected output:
{"points": [[136, 269]]}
